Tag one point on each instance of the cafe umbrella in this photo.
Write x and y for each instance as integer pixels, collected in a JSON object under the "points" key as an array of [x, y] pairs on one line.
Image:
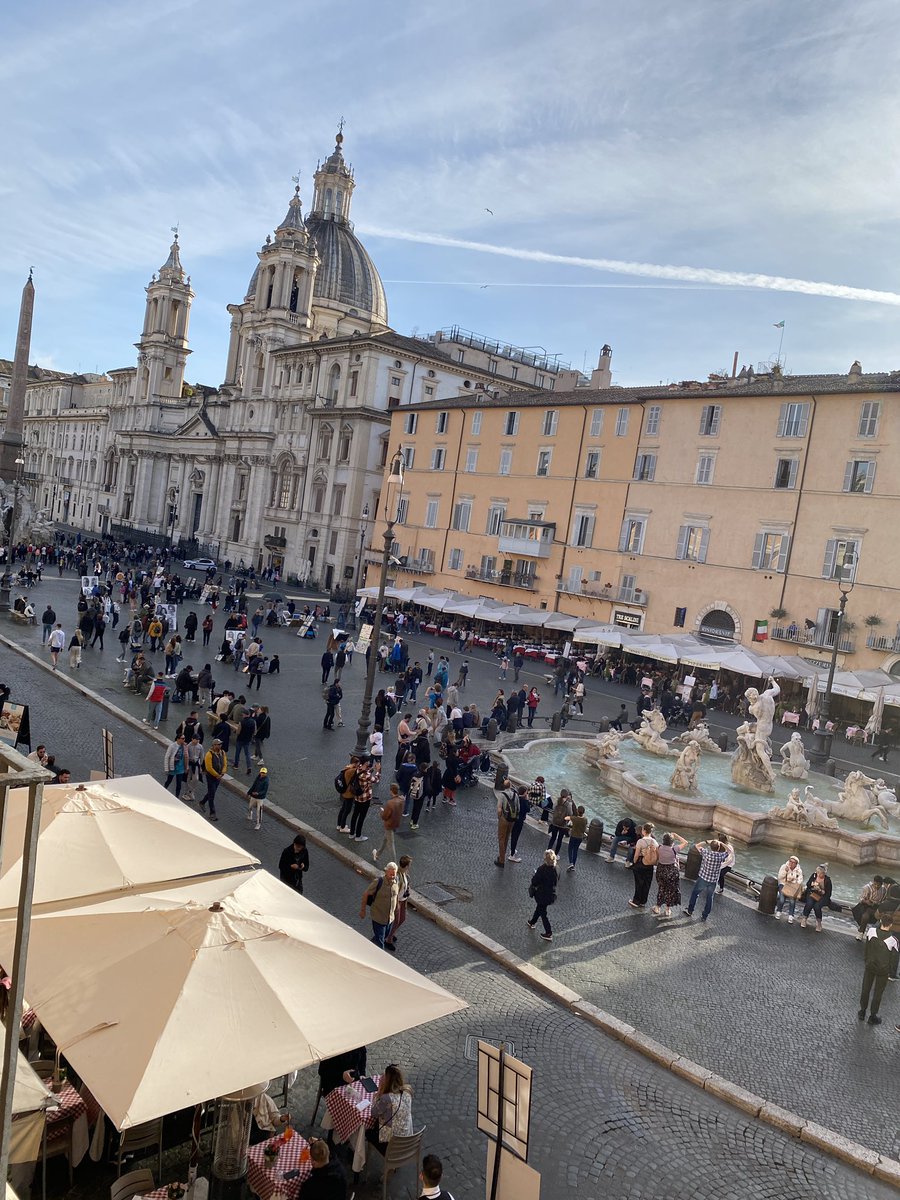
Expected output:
{"points": [[167, 998]]}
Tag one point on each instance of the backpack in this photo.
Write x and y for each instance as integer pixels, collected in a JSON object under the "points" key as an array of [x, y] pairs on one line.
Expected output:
{"points": [[510, 807], [649, 856], [417, 783], [340, 783], [371, 895]]}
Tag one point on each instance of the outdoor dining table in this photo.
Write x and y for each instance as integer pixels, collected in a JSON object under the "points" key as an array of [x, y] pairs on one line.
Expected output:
{"points": [[160, 1193], [265, 1176], [348, 1112], [72, 1110]]}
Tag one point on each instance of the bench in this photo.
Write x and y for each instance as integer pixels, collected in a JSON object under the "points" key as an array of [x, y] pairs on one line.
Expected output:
{"points": [[20, 617]]}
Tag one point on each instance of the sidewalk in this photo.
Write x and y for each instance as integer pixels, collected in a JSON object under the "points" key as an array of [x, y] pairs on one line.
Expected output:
{"points": [[767, 1005]]}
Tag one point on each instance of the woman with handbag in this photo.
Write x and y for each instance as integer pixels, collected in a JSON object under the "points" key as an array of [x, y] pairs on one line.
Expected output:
{"points": [[542, 890], [817, 894], [391, 1113], [790, 885]]}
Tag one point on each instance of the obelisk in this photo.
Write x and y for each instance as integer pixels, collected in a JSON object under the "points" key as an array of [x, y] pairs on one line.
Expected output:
{"points": [[12, 440]]}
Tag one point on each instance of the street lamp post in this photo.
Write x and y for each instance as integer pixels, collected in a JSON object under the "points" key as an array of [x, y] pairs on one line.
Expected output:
{"points": [[821, 749], [362, 543], [392, 489]]}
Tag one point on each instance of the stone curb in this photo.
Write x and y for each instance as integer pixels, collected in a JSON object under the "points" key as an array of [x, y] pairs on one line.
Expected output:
{"points": [[854, 1153]]}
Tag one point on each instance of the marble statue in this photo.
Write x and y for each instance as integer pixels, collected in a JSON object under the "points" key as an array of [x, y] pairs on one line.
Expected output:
{"points": [[684, 777], [794, 763], [699, 735], [16, 500], [886, 797], [816, 812], [42, 527], [650, 735], [608, 744], [751, 764], [806, 811], [858, 801]]}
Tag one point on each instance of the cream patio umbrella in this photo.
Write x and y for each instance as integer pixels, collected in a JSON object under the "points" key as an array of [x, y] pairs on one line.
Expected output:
{"points": [[109, 836], [162, 1000], [599, 635]]}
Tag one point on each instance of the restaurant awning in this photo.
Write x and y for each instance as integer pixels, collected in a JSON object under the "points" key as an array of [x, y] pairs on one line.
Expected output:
{"points": [[163, 999], [599, 635], [521, 614]]}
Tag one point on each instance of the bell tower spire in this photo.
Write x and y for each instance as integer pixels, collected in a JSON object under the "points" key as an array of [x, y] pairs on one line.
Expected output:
{"points": [[163, 348]]}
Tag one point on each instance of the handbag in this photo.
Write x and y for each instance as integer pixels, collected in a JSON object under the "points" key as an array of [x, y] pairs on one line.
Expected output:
{"points": [[791, 890]]}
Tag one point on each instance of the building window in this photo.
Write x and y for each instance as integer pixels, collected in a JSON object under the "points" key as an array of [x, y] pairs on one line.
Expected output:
{"points": [[645, 466], [325, 435], [710, 419], [706, 465], [868, 418], [462, 515], [543, 462], [492, 366], [396, 381], [692, 543], [511, 428], [592, 464], [337, 501], [786, 473], [344, 445], [841, 559], [410, 421], [488, 567], [438, 458], [429, 391], [332, 542], [454, 561], [770, 551], [460, 356], [859, 475], [551, 420], [402, 510], [318, 497], [471, 459], [409, 456], [583, 529], [440, 425], [514, 372], [426, 559], [354, 382], [622, 422], [793, 420], [654, 413], [431, 514], [334, 383], [631, 539], [476, 424], [505, 462], [596, 422], [495, 518]]}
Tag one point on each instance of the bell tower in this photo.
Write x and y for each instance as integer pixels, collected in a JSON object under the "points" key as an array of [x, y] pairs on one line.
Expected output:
{"points": [[163, 348]]}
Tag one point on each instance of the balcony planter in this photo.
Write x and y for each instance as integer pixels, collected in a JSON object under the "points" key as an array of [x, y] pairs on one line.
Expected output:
{"points": [[873, 620], [778, 614]]}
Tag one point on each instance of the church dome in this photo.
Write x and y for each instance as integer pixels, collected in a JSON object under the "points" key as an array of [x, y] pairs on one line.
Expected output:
{"points": [[346, 275]]}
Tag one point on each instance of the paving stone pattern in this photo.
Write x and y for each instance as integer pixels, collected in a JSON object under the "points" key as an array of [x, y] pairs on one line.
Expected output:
{"points": [[771, 1008]]}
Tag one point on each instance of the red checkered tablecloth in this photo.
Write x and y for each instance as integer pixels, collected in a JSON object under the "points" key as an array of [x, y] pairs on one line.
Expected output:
{"points": [[71, 1106], [266, 1178], [349, 1107], [160, 1193]]}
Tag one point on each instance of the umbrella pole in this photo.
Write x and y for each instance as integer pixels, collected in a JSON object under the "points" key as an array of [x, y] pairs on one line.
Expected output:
{"points": [[195, 1143]]}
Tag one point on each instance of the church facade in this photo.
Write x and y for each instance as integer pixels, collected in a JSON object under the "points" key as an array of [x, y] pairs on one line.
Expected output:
{"points": [[281, 464]]}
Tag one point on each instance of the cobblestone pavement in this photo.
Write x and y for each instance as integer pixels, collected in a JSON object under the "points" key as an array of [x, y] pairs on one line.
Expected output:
{"points": [[771, 1009]]}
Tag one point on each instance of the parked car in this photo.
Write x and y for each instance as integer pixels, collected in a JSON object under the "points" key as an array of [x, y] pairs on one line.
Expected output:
{"points": [[200, 564]]}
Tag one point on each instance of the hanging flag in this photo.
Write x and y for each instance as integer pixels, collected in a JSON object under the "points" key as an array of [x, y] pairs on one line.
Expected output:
{"points": [[760, 631], [780, 325]]}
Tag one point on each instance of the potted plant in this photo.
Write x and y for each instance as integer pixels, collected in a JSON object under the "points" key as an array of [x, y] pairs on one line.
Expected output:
{"points": [[778, 614], [873, 620]]}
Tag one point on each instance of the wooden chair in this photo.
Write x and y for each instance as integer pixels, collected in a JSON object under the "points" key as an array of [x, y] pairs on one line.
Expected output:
{"points": [[400, 1152], [139, 1138], [43, 1068], [135, 1183]]}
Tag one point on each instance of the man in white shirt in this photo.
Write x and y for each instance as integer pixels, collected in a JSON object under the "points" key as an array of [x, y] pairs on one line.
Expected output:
{"points": [[56, 642], [431, 1173]]}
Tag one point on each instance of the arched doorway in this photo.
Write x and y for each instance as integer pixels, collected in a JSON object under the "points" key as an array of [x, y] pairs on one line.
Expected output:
{"points": [[718, 625]]}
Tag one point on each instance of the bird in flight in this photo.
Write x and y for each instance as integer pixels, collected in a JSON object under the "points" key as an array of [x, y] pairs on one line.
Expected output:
{"points": [[484, 285], [490, 210]]}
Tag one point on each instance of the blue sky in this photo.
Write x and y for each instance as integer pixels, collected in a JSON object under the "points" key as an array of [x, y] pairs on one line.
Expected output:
{"points": [[746, 140]]}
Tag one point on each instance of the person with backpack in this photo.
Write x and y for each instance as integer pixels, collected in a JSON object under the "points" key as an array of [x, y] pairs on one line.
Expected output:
{"points": [[256, 796], [416, 794], [542, 890], [523, 808], [215, 764], [333, 699], [646, 856], [245, 735], [380, 898], [346, 784], [507, 812]]}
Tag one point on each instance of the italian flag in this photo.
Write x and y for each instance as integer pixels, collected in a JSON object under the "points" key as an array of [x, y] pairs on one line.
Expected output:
{"points": [[760, 631]]}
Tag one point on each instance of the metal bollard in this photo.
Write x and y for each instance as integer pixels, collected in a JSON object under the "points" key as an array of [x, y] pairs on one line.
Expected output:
{"points": [[556, 722], [594, 843], [512, 723], [492, 727], [691, 868], [723, 741], [768, 894], [603, 725]]}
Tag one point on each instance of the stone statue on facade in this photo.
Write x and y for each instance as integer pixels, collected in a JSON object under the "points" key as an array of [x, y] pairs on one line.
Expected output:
{"points": [[794, 763], [684, 777], [650, 735]]}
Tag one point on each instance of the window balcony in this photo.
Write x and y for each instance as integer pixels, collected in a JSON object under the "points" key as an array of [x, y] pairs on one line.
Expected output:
{"points": [[415, 566], [880, 641], [595, 589], [528, 539], [821, 639], [631, 595], [528, 581]]}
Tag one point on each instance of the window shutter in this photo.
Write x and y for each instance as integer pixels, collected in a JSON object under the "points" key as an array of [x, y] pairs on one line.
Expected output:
{"points": [[704, 542], [828, 564], [589, 531], [783, 553], [804, 420], [782, 420], [623, 536], [870, 476], [683, 534], [792, 473], [848, 477], [758, 547]]}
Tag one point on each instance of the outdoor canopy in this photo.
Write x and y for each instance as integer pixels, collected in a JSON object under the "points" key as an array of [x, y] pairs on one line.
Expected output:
{"points": [[162, 1000], [109, 836]]}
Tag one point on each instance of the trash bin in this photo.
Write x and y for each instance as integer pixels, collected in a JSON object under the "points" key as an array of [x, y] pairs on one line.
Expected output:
{"points": [[603, 725], [492, 727], [501, 777], [556, 722], [691, 869], [722, 741], [594, 842], [768, 894]]}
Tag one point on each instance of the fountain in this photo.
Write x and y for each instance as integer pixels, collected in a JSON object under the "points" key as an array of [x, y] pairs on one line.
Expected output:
{"points": [[684, 777]]}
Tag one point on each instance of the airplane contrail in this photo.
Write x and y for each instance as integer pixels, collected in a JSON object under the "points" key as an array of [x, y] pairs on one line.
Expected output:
{"points": [[641, 287], [708, 275]]}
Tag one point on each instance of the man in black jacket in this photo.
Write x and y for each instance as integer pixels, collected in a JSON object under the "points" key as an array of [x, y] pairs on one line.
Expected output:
{"points": [[882, 956], [329, 1179]]}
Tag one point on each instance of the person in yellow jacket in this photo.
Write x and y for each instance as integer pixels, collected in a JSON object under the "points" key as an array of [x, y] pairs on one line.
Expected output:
{"points": [[155, 632], [215, 764]]}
